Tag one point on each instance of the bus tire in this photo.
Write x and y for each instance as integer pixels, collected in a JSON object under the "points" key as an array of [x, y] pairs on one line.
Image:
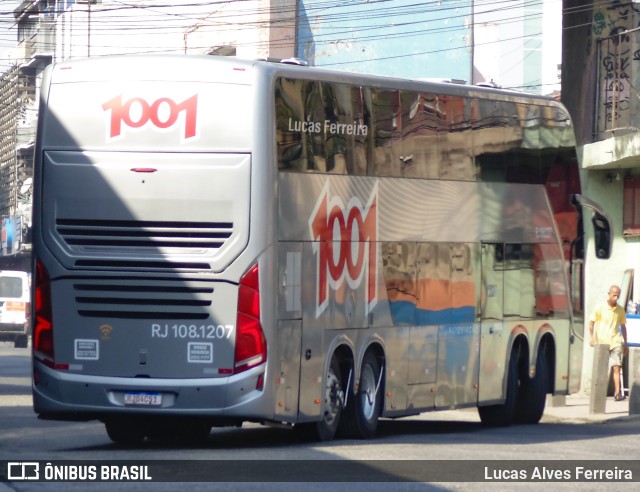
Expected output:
{"points": [[332, 402], [503, 414], [360, 419], [126, 432], [532, 395]]}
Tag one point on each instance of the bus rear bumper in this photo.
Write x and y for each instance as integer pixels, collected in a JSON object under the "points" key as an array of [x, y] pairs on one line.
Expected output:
{"points": [[61, 395]]}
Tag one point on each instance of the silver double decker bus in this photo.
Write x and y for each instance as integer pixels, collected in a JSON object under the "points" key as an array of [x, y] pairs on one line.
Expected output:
{"points": [[219, 241]]}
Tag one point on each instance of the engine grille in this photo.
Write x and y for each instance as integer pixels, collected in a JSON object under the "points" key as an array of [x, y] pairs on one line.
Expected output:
{"points": [[117, 239], [143, 300]]}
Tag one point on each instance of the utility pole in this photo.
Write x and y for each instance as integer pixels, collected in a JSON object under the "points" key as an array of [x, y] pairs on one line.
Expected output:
{"points": [[88, 28], [473, 41]]}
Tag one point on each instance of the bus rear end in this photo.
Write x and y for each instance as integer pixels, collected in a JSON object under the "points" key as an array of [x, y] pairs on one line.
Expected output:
{"points": [[147, 287]]}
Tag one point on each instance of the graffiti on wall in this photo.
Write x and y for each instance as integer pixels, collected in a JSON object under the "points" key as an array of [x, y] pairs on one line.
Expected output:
{"points": [[618, 58]]}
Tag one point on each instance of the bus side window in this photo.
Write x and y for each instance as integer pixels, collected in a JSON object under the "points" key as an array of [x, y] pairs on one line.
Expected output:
{"points": [[551, 295], [463, 286], [492, 261], [399, 270], [299, 119], [386, 125], [361, 104], [519, 298]]}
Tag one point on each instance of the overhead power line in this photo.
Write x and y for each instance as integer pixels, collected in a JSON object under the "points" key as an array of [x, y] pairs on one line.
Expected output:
{"points": [[400, 19]]}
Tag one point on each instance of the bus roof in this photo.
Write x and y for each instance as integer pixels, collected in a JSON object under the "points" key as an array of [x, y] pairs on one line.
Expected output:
{"points": [[189, 68]]}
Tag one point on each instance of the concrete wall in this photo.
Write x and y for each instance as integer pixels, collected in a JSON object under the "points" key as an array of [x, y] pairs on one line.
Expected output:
{"points": [[619, 65], [579, 66], [601, 274], [598, 73]]}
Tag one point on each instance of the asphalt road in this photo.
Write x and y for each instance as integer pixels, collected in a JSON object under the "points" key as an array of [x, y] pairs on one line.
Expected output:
{"points": [[255, 457]]}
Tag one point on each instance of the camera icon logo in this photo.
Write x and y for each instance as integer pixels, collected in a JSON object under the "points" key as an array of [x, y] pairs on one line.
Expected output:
{"points": [[23, 470]]}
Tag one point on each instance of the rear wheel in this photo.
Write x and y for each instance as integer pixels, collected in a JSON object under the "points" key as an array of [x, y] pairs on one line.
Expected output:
{"points": [[363, 411], [532, 395], [504, 414], [332, 403]]}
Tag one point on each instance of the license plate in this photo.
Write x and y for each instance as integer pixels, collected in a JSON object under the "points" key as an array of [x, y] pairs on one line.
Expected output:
{"points": [[144, 399]]}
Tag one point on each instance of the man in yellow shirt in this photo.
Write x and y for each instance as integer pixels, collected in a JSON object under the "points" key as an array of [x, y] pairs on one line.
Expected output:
{"points": [[608, 326]]}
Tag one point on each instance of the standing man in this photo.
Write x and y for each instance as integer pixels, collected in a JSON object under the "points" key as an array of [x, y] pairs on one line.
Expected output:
{"points": [[608, 326]]}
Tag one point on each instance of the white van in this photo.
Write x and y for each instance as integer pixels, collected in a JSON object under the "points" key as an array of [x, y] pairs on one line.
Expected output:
{"points": [[15, 306]]}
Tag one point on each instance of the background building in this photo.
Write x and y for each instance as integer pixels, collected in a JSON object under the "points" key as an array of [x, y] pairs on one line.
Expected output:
{"points": [[16, 167]]}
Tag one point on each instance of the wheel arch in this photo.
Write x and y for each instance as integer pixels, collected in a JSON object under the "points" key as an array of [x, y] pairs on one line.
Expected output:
{"points": [[373, 344], [343, 349], [547, 344], [521, 347]]}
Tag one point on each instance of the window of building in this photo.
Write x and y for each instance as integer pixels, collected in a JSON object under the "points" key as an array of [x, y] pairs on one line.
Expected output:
{"points": [[631, 207]]}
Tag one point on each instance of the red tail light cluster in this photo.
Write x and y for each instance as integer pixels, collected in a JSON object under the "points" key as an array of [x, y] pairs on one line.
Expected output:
{"points": [[42, 325], [251, 346]]}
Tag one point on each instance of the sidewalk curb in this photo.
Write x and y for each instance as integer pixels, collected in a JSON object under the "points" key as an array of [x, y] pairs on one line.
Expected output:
{"points": [[592, 419], [577, 409]]}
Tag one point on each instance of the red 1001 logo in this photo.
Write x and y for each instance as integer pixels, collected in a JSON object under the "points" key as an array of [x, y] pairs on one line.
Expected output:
{"points": [[345, 244], [163, 113]]}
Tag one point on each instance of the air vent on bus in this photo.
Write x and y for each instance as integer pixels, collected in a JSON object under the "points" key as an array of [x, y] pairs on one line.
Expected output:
{"points": [[143, 235], [143, 300], [141, 265], [142, 238]]}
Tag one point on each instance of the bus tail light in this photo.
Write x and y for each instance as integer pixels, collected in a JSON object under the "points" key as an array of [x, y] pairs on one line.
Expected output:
{"points": [[43, 327], [251, 346]]}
